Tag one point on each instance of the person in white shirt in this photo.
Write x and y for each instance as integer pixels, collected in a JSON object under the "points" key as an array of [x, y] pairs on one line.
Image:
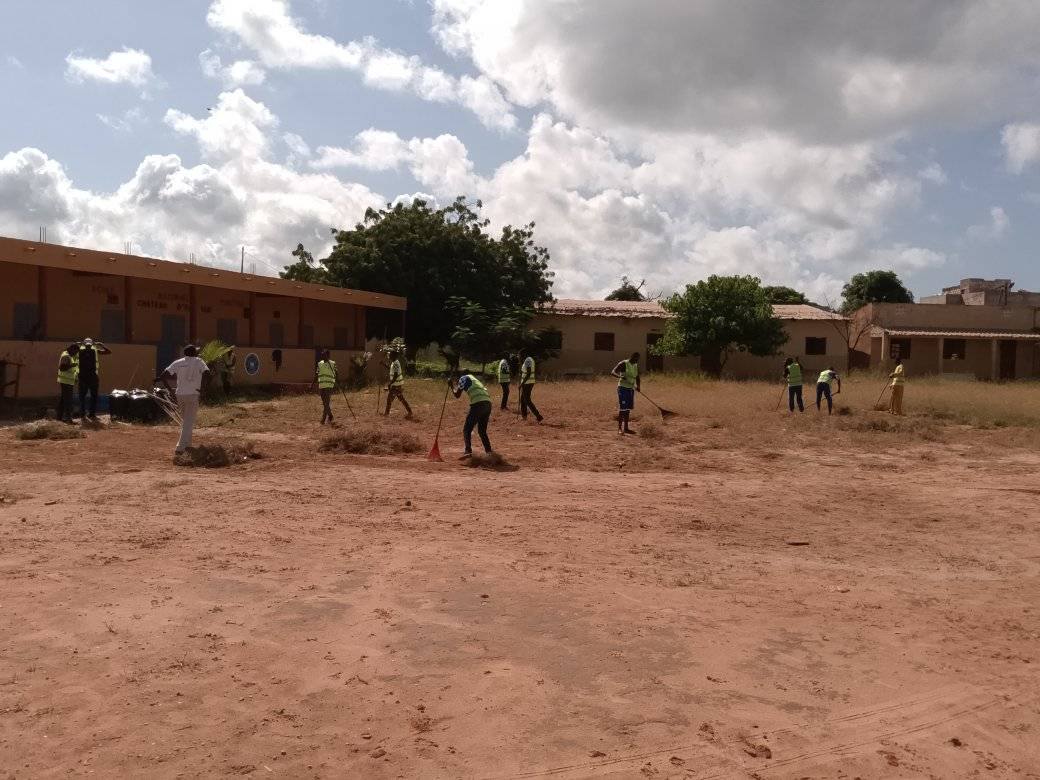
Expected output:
{"points": [[191, 374]]}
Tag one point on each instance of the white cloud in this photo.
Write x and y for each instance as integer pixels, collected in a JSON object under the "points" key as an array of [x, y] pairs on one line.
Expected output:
{"points": [[1021, 145], [237, 196], [14, 62], [126, 122], [933, 173], [241, 73], [992, 230], [280, 41], [128, 66]]}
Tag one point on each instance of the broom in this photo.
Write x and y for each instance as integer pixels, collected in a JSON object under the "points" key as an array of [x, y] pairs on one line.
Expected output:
{"points": [[665, 413], [780, 400], [878, 407], [349, 408], [435, 450]]}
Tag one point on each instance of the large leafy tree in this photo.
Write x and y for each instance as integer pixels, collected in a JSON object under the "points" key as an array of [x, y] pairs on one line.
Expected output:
{"points": [[430, 255], [720, 315], [485, 336], [874, 287], [784, 295], [628, 291]]}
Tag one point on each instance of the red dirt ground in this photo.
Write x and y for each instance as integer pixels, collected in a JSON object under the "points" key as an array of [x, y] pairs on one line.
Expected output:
{"points": [[681, 607]]}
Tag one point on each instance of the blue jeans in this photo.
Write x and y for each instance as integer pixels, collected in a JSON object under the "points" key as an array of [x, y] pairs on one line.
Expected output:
{"points": [[793, 392], [823, 389]]}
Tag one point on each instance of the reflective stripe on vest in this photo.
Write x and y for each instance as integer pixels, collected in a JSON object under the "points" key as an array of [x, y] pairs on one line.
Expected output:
{"points": [[529, 380], [396, 375], [476, 391], [326, 374], [68, 376], [628, 379], [826, 377], [503, 372], [794, 375]]}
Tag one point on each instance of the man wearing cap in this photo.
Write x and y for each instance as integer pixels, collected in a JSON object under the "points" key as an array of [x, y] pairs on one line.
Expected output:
{"points": [[89, 375], [192, 374], [68, 370]]}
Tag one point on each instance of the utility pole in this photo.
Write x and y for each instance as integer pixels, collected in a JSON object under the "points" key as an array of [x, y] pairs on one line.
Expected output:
{"points": [[242, 262]]}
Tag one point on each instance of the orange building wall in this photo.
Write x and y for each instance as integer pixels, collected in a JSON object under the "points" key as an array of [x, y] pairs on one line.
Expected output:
{"points": [[276, 309], [213, 304], [326, 317], [75, 301], [39, 377], [150, 300], [18, 284]]}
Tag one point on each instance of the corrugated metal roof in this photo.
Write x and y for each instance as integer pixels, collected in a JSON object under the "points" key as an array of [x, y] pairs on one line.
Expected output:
{"points": [[653, 310], [877, 331]]}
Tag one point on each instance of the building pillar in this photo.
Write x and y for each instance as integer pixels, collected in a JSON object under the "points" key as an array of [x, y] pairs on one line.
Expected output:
{"points": [[41, 296], [299, 322], [128, 310], [193, 315], [886, 348], [942, 347], [252, 319], [994, 359]]}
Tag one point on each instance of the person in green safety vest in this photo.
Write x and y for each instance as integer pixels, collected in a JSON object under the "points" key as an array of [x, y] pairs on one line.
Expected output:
{"points": [[527, 382], [627, 372], [395, 386], [793, 375], [68, 373], [504, 378], [328, 377], [898, 377], [823, 388], [479, 411], [90, 353]]}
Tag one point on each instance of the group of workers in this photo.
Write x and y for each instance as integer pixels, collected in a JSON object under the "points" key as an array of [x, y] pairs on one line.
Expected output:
{"points": [[825, 386], [80, 364]]}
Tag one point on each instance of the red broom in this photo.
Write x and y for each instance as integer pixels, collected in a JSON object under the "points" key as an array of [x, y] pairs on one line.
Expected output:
{"points": [[435, 451]]}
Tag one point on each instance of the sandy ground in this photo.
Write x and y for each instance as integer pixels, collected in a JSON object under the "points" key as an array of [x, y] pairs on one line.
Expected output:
{"points": [[679, 606]]}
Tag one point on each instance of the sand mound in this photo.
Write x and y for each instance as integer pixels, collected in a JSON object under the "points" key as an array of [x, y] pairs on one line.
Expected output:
{"points": [[490, 460], [371, 441], [47, 429], [216, 456]]}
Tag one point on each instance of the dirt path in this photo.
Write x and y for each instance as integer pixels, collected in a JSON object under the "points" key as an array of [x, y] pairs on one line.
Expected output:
{"points": [[310, 616]]}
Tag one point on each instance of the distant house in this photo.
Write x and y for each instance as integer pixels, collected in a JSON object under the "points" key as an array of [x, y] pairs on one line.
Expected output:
{"points": [[595, 335], [979, 329]]}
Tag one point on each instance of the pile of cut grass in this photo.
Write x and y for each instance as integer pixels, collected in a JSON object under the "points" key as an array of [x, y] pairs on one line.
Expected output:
{"points": [[489, 460], [371, 440], [217, 456], [47, 429]]}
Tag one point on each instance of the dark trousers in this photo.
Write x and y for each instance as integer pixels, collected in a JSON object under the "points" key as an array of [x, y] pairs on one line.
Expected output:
{"points": [[326, 405], [526, 404], [396, 392], [795, 392], [505, 394], [65, 403], [479, 415], [823, 389], [88, 385]]}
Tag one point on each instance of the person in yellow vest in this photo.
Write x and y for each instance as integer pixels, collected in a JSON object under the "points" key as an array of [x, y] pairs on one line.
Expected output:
{"points": [[793, 375], [395, 386], [505, 376], [328, 376], [89, 375], [479, 412], [527, 382], [627, 372], [898, 380], [68, 373], [824, 383]]}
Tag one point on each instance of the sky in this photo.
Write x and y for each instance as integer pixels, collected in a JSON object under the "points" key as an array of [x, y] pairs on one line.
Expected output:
{"points": [[664, 140]]}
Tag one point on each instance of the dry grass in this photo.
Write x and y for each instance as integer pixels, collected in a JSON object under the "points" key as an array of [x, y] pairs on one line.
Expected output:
{"points": [[371, 440], [489, 460], [47, 429], [215, 456]]}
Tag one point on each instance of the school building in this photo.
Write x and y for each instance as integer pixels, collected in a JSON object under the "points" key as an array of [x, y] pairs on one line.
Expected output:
{"points": [[979, 330], [595, 335], [146, 310]]}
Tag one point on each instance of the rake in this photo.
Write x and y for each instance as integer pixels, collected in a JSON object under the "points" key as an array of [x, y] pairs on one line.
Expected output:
{"points": [[877, 404], [665, 413], [435, 450], [347, 401], [780, 400]]}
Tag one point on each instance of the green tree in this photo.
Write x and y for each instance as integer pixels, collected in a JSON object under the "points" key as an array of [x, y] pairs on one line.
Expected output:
{"points": [[430, 256], [720, 315], [484, 336], [874, 287], [628, 291], [779, 294]]}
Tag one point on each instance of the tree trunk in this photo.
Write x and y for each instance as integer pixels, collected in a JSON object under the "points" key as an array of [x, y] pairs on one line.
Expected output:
{"points": [[711, 361]]}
